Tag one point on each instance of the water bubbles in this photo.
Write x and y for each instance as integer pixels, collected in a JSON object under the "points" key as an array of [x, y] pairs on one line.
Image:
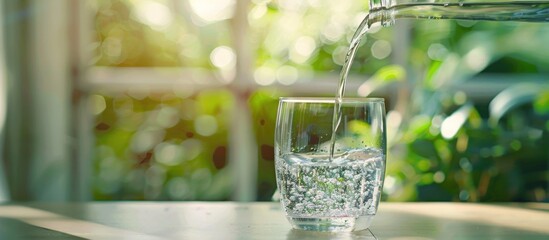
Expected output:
{"points": [[323, 188], [298, 207], [309, 205], [286, 202], [348, 175]]}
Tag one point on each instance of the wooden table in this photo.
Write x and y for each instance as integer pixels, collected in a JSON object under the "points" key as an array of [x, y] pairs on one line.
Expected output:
{"points": [[229, 220]]}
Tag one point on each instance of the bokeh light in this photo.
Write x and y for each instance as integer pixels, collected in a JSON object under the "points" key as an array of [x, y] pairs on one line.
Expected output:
{"points": [[287, 75], [264, 76], [98, 104], [381, 49], [167, 117], [437, 51], [151, 146], [205, 125], [168, 153], [223, 57], [145, 140], [153, 13], [179, 189], [210, 11]]}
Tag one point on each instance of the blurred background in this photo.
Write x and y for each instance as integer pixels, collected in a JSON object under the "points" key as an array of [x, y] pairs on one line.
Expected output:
{"points": [[177, 99]]}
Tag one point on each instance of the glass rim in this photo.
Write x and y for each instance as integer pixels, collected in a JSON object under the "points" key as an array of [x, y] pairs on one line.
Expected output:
{"points": [[331, 99]]}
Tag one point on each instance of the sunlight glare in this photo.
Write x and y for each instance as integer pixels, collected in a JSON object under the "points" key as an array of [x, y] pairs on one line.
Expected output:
{"points": [[303, 48], [451, 125], [223, 57], [257, 12], [210, 11], [264, 76], [477, 59], [332, 32], [154, 14]]}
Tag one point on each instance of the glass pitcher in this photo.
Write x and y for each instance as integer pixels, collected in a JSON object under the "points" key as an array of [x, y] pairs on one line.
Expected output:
{"points": [[496, 10]]}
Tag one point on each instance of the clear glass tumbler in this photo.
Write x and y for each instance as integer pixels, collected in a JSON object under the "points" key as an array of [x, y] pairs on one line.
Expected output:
{"points": [[330, 193]]}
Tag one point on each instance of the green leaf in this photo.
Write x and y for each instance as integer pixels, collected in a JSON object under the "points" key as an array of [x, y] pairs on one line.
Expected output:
{"points": [[419, 126], [453, 123], [515, 96], [390, 73], [382, 78], [424, 148], [433, 69]]}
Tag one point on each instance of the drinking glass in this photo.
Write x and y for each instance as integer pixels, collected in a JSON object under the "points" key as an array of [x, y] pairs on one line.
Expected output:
{"points": [[330, 193]]}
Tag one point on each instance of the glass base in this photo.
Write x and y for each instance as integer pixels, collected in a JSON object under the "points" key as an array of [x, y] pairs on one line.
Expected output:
{"points": [[332, 224]]}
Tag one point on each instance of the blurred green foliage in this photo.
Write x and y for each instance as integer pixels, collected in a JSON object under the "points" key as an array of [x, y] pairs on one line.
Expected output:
{"points": [[448, 146], [311, 36], [160, 146], [146, 33], [264, 105], [443, 143]]}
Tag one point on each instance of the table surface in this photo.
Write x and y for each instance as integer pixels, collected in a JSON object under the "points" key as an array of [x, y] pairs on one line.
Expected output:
{"points": [[265, 220]]}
